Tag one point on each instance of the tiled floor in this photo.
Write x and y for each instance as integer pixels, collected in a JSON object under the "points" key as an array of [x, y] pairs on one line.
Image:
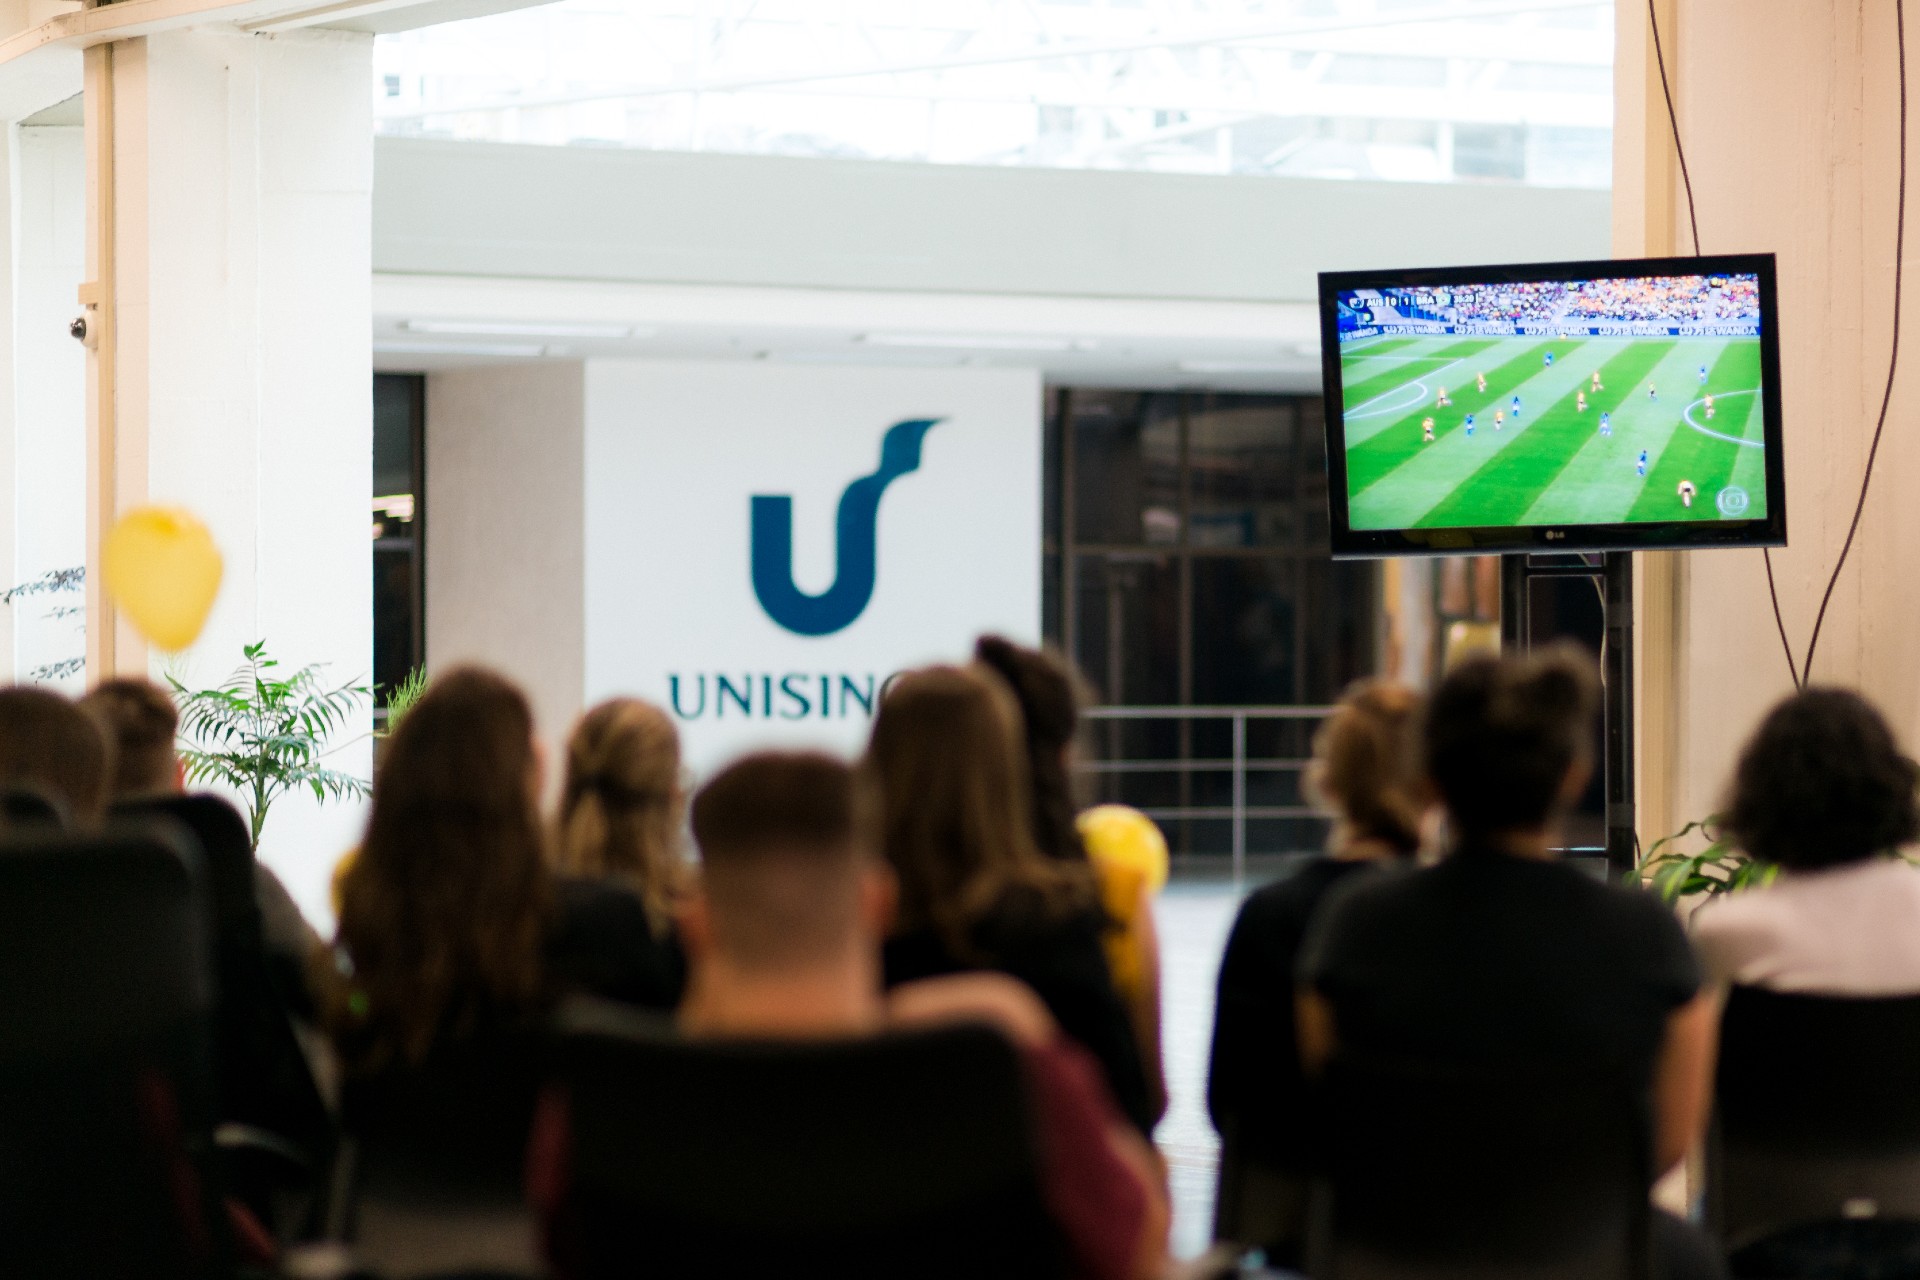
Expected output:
{"points": [[1193, 918]]}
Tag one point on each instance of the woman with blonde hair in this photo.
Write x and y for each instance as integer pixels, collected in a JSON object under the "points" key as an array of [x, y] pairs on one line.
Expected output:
{"points": [[622, 805], [975, 892], [1364, 776]]}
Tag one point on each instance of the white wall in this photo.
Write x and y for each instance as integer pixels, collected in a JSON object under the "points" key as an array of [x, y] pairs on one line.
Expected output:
{"points": [[481, 209], [506, 530], [674, 454], [245, 182], [49, 391]]}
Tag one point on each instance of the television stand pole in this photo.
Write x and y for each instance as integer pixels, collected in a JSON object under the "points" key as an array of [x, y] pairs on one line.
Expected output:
{"points": [[1530, 617]]}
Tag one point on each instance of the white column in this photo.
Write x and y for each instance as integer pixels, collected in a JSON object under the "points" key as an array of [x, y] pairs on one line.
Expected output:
{"points": [[239, 282]]}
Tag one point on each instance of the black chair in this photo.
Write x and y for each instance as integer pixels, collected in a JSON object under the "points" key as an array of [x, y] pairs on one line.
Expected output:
{"points": [[1816, 1121], [912, 1154], [1260, 1203], [106, 1101], [277, 1129], [1490, 1171], [29, 810], [430, 1176]]}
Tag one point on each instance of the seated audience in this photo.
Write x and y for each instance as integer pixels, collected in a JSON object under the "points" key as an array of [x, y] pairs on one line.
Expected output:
{"points": [[1365, 777], [142, 724], [1823, 792], [1502, 953], [621, 811], [784, 937], [975, 893], [52, 751], [452, 930], [1049, 699]]}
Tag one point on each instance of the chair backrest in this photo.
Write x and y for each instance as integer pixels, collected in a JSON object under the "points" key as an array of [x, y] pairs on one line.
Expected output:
{"points": [[263, 1076], [1816, 1111], [1484, 1170], [435, 1157], [25, 808], [906, 1154], [106, 992]]}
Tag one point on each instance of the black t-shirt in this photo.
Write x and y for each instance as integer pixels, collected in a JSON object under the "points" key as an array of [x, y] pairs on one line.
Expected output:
{"points": [[1255, 1091], [1492, 958], [1064, 963], [601, 943]]}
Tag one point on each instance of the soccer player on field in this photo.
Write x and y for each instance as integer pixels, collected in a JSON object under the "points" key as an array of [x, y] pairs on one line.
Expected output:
{"points": [[1597, 388], [1703, 375], [1709, 403], [1640, 469], [1516, 407], [1481, 378], [1426, 430], [1653, 392], [1686, 492], [1606, 424], [1469, 426], [1443, 399], [1549, 360], [1580, 401], [1499, 419]]}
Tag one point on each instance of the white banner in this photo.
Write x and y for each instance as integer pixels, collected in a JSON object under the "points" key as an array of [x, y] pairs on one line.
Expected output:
{"points": [[767, 544]]}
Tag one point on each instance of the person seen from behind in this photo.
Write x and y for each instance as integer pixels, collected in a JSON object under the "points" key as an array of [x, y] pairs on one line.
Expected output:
{"points": [[975, 893], [53, 754], [1126, 851], [143, 725], [622, 807], [1822, 792], [783, 936], [1365, 776], [1502, 953]]}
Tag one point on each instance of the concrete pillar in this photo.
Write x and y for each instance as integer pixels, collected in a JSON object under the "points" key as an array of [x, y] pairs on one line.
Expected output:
{"points": [[231, 177], [1790, 121]]}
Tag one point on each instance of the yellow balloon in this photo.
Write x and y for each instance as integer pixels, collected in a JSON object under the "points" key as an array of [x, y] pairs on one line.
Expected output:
{"points": [[1116, 834], [163, 571]]}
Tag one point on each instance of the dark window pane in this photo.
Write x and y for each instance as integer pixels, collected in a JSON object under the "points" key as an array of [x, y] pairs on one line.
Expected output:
{"points": [[394, 401], [1126, 468], [1127, 615], [1247, 632], [1242, 453], [393, 601]]}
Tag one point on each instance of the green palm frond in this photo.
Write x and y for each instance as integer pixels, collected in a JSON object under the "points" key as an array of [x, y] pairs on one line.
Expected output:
{"points": [[265, 734], [1718, 868]]}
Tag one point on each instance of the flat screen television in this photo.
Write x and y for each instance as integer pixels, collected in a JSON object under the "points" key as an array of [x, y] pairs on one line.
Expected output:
{"points": [[1569, 406]]}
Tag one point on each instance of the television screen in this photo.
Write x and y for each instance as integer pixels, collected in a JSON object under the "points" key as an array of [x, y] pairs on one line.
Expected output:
{"points": [[1622, 405]]}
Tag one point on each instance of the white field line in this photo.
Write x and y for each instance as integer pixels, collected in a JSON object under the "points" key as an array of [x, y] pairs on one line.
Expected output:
{"points": [[1686, 416]]}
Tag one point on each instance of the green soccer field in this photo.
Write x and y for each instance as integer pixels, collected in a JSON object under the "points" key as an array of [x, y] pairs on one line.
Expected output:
{"points": [[1551, 465]]}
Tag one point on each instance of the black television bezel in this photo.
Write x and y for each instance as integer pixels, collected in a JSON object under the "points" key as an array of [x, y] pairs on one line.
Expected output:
{"points": [[1363, 544]]}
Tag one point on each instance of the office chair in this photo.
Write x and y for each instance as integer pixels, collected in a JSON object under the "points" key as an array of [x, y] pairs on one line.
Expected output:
{"points": [[1816, 1122], [106, 1097], [1494, 1172], [29, 810], [911, 1154]]}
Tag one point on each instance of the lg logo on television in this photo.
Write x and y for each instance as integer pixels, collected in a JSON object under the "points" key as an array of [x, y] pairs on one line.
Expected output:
{"points": [[856, 537]]}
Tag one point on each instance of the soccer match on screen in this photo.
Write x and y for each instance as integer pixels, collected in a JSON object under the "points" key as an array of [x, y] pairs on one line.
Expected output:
{"points": [[1553, 403]]}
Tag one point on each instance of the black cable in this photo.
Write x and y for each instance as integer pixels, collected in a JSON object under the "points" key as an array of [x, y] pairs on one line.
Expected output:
{"points": [[1893, 360], [1693, 224]]}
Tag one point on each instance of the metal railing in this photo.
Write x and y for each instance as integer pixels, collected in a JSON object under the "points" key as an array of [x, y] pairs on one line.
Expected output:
{"points": [[1238, 812]]}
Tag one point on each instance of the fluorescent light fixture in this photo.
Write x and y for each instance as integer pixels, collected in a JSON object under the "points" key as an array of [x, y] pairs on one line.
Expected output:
{"points": [[1235, 366], [526, 328], [979, 342], [459, 348]]}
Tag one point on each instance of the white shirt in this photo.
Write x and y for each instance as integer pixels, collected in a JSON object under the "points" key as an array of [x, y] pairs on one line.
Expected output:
{"points": [[1846, 930]]}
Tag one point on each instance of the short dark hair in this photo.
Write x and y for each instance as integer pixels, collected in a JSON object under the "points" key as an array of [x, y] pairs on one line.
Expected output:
{"points": [[776, 800], [782, 848], [1822, 782], [141, 721], [49, 745], [1502, 733]]}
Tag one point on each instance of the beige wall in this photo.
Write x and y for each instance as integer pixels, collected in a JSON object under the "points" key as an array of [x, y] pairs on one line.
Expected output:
{"points": [[1789, 112], [505, 530]]}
